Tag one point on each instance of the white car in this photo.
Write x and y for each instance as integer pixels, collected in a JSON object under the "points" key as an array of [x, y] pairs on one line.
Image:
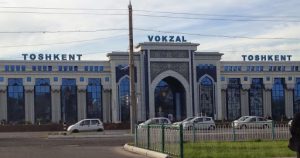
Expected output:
{"points": [[201, 122], [86, 125], [252, 122], [156, 121], [185, 120], [290, 123]]}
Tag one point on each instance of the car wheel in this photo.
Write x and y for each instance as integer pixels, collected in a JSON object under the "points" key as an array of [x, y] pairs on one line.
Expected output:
{"points": [[212, 127], [243, 127], [265, 126], [75, 131], [100, 130]]}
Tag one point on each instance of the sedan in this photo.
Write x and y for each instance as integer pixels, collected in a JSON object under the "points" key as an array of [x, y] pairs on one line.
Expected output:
{"points": [[251, 122]]}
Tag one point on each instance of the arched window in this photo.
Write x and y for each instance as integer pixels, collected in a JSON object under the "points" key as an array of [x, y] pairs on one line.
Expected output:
{"points": [[233, 99], [124, 99], [15, 101], [206, 97], [42, 100], [278, 101], [297, 96], [256, 97], [94, 99]]}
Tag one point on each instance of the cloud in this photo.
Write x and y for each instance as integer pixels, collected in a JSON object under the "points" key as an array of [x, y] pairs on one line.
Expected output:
{"points": [[56, 22]]}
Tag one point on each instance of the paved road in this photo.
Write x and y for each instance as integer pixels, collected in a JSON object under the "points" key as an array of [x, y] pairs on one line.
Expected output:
{"points": [[37, 145]]}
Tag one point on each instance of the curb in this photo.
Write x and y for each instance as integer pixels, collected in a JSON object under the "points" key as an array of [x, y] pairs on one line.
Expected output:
{"points": [[145, 152], [87, 136]]}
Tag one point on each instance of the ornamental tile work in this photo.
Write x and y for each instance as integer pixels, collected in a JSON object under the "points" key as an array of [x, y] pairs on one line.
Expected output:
{"points": [[157, 68], [169, 54]]}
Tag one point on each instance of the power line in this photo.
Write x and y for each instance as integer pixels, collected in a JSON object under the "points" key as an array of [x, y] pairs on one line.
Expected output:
{"points": [[61, 13], [149, 15], [58, 43], [222, 15], [56, 8], [216, 19], [150, 11], [223, 36], [61, 31]]}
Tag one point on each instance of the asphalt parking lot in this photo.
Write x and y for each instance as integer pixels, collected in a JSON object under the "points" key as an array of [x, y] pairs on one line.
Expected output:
{"points": [[38, 145]]}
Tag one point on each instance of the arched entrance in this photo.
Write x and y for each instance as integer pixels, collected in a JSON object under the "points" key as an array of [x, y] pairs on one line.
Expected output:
{"points": [[170, 99]]}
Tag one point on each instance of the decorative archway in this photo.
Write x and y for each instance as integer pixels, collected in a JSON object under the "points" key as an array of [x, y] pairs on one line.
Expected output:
{"points": [[169, 78]]}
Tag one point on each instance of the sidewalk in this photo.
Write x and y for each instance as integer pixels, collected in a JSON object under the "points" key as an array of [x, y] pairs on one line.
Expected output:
{"points": [[104, 134], [64, 134]]}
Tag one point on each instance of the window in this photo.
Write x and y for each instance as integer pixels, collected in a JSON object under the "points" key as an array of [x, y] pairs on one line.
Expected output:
{"points": [[1, 79], [101, 68], [18, 68], [106, 79], [233, 99], [268, 78], [290, 78], [15, 101], [39, 68], [55, 79], [70, 68], [44, 68], [33, 68], [245, 78], [91, 68], [95, 122], [59, 68], [69, 100], [256, 97], [65, 68], [81, 79], [23, 68], [75, 68], [206, 97], [222, 78], [6, 68], [297, 96], [278, 99], [12, 67], [94, 98], [49, 68], [86, 68], [42, 100], [124, 105], [28, 79], [96, 68]]}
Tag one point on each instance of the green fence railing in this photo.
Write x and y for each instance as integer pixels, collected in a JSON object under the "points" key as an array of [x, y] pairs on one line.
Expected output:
{"points": [[162, 138]]}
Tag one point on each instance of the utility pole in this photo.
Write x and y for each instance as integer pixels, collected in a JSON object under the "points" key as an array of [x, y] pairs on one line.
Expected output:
{"points": [[131, 74]]}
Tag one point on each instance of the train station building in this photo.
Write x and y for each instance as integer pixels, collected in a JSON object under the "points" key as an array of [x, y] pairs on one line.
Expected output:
{"points": [[172, 80]]}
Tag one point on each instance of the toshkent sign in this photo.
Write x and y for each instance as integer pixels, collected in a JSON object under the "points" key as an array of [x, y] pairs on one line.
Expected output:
{"points": [[179, 39], [266, 57], [52, 56]]}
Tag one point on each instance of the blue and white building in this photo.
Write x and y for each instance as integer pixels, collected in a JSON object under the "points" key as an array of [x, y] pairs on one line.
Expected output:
{"points": [[172, 80]]}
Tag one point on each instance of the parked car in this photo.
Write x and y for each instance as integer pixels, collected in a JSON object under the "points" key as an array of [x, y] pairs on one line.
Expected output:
{"points": [[185, 120], [251, 122], [290, 123], [201, 122], [156, 121], [86, 125]]}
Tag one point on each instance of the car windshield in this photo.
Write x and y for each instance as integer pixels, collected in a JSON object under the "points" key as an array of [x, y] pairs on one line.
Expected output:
{"points": [[243, 118], [148, 121], [187, 119]]}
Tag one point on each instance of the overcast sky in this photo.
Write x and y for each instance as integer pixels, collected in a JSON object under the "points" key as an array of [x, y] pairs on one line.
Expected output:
{"points": [[98, 27]]}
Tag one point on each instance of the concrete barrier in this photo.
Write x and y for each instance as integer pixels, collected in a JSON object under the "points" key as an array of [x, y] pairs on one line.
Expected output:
{"points": [[145, 152]]}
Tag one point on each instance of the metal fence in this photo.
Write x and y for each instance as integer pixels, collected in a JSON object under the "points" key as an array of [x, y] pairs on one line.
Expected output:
{"points": [[170, 138]]}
